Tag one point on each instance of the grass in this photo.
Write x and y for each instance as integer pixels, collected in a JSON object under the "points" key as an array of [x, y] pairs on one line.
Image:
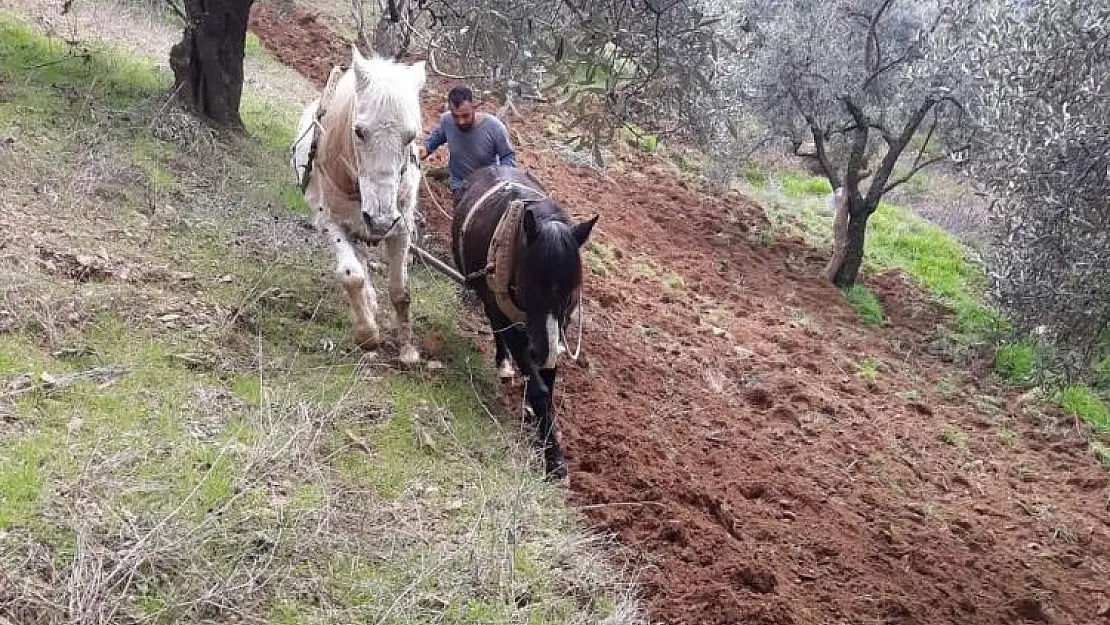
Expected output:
{"points": [[170, 438], [1101, 452], [796, 185], [866, 304], [1080, 401], [954, 437], [1016, 362], [868, 371], [899, 239], [896, 239]]}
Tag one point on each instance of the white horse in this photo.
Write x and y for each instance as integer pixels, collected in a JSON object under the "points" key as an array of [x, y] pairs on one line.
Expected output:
{"points": [[356, 144]]}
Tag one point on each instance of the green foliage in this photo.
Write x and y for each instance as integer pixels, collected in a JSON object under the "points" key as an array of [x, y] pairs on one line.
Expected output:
{"points": [[57, 72], [1016, 362], [866, 304], [898, 238], [754, 174], [1082, 402], [799, 185]]}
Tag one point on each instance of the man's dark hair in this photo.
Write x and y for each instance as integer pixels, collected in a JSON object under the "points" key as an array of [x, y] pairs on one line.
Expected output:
{"points": [[460, 94]]}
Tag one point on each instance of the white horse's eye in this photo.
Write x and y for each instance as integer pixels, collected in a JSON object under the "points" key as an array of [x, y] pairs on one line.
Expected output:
{"points": [[360, 133]]}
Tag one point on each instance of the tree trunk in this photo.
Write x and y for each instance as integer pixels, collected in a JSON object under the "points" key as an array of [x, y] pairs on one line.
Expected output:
{"points": [[848, 271], [392, 35], [208, 61]]}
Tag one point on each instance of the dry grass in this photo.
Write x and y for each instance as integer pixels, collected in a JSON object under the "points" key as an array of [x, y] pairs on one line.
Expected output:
{"points": [[187, 434]]}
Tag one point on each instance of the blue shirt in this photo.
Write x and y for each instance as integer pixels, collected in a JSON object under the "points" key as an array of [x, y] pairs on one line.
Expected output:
{"points": [[486, 143]]}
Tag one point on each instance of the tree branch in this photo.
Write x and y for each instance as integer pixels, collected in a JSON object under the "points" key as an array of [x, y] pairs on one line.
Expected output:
{"points": [[859, 149], [874, 60], [818, 142], [881, 70], [894, 151]]}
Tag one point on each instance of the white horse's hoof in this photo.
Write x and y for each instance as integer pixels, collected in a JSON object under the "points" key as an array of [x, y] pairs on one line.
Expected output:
{"points": [[409, 355], [506, 372]]}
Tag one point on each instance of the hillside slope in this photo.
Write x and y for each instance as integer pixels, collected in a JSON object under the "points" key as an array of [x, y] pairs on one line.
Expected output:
{"points": [[187, 436], [770, 458]]}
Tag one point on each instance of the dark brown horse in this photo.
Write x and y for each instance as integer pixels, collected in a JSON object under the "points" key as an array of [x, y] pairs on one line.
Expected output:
{"points": [[521, 254]]}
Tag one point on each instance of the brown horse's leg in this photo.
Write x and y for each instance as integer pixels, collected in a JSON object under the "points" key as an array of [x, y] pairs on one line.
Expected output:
{"points": [[554, 462], [504, 362], [539, 394], [397, 249]]}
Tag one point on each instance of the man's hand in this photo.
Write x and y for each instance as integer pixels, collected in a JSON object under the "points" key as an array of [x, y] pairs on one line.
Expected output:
{"points": [[421, 152]]}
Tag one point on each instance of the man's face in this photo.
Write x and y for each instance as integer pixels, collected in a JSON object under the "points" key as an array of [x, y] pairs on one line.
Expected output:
{"points": [[463, 115]]}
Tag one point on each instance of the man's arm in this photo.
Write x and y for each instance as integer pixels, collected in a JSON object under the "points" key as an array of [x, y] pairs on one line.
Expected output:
{"points": [[504, 145], [437, 138]]}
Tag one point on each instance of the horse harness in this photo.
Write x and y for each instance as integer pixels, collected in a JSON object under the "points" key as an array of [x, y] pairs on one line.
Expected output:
{"points": [[498, 272]]}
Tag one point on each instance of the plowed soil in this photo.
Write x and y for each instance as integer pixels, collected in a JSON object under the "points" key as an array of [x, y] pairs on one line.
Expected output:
{"points": [[766, 456]]}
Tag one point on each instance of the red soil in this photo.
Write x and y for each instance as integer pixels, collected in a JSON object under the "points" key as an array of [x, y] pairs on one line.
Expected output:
{"points": [[722, 431]]}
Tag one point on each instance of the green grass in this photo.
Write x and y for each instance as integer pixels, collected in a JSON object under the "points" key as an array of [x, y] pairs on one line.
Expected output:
{"points": [[245, 436], [896, 239], [1016, 362], [866, 304], [253, 47], [1101, 452], [1080, 401], [755, 175], [899, 239], [955, 437], [796, 185]]}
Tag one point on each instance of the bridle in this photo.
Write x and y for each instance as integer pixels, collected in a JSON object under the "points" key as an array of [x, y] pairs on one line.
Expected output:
{"points": [[316, 128]]}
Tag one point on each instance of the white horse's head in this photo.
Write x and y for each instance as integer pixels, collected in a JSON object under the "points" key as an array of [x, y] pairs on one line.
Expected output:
{"points": [[385, 121]]}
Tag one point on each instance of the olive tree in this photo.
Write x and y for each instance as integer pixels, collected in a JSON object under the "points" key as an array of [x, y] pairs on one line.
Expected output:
{"points": [[208, 61], [1041, 107], [865, 81], [608, 65]]}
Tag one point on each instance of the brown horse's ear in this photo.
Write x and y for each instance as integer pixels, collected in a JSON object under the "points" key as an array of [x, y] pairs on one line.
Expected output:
{"points": [[530, 227], [583, 229]]}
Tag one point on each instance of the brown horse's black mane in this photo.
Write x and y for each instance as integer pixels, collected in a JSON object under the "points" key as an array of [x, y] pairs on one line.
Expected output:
{"points": [[551, 256]]}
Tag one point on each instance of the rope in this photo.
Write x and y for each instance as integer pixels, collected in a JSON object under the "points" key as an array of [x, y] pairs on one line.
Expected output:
{"points": [[424, 182], [563, 337]]}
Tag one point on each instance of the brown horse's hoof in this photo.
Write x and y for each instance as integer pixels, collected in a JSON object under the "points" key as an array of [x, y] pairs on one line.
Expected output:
{"points": [[555, 466]]}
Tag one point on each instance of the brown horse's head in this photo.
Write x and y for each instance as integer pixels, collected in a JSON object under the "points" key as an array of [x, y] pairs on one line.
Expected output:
{"points": [[549, 274]]}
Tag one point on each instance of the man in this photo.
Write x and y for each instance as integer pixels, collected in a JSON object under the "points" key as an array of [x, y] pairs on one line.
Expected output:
{"points": [[476, 139]]}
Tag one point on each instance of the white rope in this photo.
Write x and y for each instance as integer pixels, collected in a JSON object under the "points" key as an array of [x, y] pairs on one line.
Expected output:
{"points": [[563, 337]]}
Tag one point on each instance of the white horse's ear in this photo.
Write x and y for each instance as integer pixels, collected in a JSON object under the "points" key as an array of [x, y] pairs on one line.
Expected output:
{"points": [[419, 74], [358, 64]]}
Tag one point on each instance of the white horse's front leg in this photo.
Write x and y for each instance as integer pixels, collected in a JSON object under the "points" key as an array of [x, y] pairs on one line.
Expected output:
{"points": [[351, 271], [397, 250]]}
